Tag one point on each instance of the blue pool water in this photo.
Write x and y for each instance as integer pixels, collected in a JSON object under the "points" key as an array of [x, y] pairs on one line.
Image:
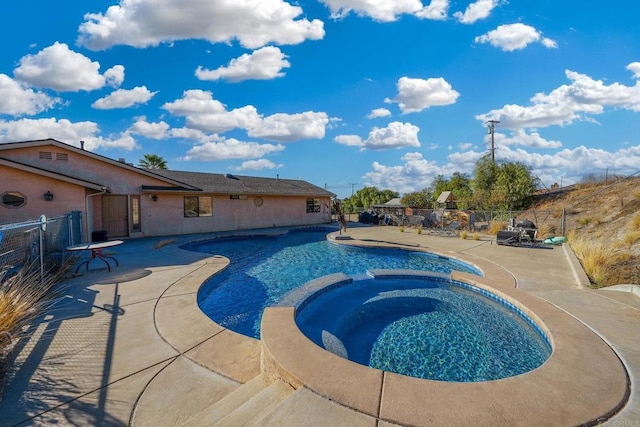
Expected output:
{"points": [[428, 328], [264, 268]]}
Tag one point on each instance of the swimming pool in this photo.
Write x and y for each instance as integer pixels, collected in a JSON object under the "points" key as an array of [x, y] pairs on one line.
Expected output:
{"points": [[423, 326], [264, 268]]}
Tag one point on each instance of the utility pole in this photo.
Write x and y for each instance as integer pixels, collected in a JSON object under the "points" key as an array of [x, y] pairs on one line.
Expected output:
{"points": [[491, 126], [352, 184]]}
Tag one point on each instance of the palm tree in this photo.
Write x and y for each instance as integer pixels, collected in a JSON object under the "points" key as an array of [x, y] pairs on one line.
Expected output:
{"points": [[152, 161]]}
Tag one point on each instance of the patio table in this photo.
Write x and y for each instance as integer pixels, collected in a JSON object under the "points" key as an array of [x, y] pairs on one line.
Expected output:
{"points": [[96, 252]]}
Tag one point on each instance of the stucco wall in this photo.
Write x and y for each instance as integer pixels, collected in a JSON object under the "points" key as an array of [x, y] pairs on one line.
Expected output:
{"points": [[166, 216], [66, 196]]}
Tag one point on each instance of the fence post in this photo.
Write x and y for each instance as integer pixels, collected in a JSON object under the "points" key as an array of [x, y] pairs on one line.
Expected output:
{"points": [[41, 230], [564, 221]]}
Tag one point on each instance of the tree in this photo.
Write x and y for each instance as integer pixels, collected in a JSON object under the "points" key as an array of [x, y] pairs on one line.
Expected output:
{"points": [[503, 186], [459, 185], [368, 196], [516, 186], [419, 199], [152, 161]]}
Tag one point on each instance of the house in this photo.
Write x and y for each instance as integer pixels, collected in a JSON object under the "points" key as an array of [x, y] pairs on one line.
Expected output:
{"points": [[53, 178]]}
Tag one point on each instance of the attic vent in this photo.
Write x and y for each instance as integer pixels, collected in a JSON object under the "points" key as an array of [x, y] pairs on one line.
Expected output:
{"points": [[229, 176], [45, 155], [62, 156]]}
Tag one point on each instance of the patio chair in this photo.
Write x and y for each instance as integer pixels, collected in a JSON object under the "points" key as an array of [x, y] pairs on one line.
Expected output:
{"points": [[415, 220], [452, 229]]}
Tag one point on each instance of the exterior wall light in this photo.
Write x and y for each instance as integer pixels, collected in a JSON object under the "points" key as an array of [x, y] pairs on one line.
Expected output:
{"points": [[48, 196], [154, 197]]}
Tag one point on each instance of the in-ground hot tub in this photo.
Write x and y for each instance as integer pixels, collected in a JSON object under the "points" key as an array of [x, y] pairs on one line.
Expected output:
{"points": [[581, 383], [420, 324]]}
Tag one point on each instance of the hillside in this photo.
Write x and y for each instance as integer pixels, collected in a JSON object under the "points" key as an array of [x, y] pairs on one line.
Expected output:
{"points": [[602, 223]]}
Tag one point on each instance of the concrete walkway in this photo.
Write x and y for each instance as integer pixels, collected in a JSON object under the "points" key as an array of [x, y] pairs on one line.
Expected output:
{"points": [[131, 347]]}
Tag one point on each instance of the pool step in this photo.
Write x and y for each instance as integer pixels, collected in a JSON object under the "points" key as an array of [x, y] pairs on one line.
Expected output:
{"points": [[246, 405]]}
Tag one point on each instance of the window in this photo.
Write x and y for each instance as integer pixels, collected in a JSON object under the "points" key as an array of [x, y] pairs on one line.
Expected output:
{"points": [[135, 213], [13, 199], [313, 205], [197, 206]]}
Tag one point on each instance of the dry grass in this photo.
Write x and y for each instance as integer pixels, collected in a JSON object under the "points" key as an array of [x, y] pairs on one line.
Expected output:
{"points": [[497, 226], [599, 261], [546, 230], [24, 297], [476, 236], [631, 237], [464, 234], [634, 223]]}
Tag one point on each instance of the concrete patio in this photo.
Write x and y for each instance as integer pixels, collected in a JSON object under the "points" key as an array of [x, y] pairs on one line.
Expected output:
{"points": [[131, 347]]}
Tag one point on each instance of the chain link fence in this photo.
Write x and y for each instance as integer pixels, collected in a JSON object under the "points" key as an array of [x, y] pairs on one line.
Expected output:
{"points": [[39, 243], [548, 222]]}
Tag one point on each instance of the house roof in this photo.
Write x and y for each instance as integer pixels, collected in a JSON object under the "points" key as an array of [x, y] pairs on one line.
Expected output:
{"points": [[445, 196], [393, 203], [240, 184], [179, 181], [49, 174], [117, 163]]}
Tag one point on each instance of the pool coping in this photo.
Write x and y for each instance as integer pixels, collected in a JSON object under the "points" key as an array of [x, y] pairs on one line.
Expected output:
{"points": [[597, 390]]}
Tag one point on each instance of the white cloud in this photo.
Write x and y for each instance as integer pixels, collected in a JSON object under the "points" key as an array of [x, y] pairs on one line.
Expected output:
{"points": [[195, 101], [59, 68], [144, 23], [349, 140], [263, 64], [230, 149], [17, 100], [379, 10], [123, 98], [395, 135], [512, 37], [634, 67], [291, 127], [256, 165], [522, 138], [114, 76], [156, 130], [379, 112], [63, 130], [577, 101], [206, 114], [415, 95], [415, 174], [437, 10], [476, 11], [189, 134]]}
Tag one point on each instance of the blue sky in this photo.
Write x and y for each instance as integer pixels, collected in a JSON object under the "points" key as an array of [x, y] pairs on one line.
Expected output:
{"points": [[341, 93]]}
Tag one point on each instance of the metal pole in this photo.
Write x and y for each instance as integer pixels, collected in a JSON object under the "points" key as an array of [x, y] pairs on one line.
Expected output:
{"points": [[492, 125]]}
